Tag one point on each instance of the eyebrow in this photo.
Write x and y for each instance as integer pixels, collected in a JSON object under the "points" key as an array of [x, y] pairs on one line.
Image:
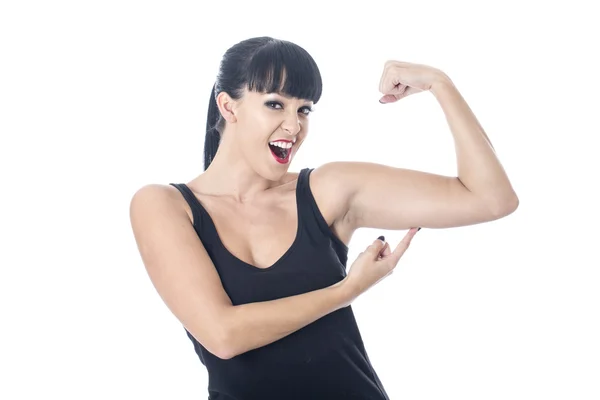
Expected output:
{"points": [[290, 97]]}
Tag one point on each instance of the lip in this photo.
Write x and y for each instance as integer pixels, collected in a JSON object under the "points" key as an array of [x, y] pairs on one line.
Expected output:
{"points": [[289, 156], [282, 140]]}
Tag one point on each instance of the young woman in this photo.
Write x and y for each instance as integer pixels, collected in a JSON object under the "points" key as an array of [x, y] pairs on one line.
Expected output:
{"points": [[251, 258]]}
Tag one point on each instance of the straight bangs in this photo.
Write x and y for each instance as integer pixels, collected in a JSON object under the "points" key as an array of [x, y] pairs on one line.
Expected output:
{"points": [[285, 68]]}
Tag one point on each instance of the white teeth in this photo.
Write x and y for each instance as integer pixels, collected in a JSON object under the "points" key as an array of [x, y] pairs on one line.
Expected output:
{"points": [[283, 145]]}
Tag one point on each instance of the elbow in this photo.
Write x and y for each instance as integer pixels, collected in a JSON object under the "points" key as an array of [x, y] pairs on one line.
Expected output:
{"points": [[505, 206], [224, 354], [216, 341], [223, 345], [221, 348]]}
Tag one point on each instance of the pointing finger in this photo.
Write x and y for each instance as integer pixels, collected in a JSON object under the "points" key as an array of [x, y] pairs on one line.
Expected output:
{"points": [[404, 244]]}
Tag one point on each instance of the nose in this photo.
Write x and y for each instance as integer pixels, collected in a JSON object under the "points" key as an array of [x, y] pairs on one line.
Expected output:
{"points": [[292, 126]]}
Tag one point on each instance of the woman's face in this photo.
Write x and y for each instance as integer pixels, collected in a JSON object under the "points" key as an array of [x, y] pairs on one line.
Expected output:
{"points": [[269, 129]]}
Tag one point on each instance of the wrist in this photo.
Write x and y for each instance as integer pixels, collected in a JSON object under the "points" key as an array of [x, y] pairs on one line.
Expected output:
{"points": [[345, 292], [441, 83]]}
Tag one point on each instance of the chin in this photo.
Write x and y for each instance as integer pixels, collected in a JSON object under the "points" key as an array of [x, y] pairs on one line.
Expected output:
{"points": [[275, 173]]}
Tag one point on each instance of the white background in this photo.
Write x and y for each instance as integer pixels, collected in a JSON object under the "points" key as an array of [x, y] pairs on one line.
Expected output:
{"points": [[100, 98]]}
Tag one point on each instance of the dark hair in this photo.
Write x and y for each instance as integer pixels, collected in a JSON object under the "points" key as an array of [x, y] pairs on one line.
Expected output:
{"points": [[259, 64]]}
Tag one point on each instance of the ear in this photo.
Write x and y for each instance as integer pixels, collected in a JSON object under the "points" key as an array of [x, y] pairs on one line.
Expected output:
{"points": [[227, 107]]}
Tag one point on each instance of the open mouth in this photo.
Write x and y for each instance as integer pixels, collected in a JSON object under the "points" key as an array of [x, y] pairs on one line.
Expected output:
{"points": [[281, 151]]}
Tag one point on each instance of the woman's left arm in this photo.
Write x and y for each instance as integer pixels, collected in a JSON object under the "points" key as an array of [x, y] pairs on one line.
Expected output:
{"points": [[479, 169], [381, 196]]}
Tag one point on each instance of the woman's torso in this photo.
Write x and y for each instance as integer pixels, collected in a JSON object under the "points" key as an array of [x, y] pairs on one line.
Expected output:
{"points": [[297, 252], [243, 228]]}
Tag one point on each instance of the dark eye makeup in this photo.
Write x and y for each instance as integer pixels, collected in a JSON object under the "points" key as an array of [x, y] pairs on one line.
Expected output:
{"points": [[306, 109]]}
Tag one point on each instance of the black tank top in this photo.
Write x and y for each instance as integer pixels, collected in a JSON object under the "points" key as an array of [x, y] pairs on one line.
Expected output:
{"points": [[324, 360]]}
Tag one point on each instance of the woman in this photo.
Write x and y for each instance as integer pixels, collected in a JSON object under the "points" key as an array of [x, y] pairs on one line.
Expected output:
{"points": [[252, 258]]}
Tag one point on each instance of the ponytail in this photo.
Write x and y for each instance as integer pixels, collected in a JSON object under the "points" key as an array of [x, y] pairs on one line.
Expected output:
{"points": [[213, 136], [258, 64]]}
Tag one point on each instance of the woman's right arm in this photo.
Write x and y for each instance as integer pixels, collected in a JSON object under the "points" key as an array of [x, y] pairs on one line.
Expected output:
{"points": [[187, 281]]}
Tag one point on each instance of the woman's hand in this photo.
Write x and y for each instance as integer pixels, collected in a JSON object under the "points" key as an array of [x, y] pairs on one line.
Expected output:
{"points": [[401, 79], [374, 264]]}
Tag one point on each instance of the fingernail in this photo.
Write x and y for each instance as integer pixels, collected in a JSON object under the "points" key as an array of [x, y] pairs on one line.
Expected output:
{"points": [[380, 101], [419, 229], [382, 238]]}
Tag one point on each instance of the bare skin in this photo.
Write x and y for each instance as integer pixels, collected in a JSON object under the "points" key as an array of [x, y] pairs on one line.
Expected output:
{"points": [[251, 199], [271, 216]]}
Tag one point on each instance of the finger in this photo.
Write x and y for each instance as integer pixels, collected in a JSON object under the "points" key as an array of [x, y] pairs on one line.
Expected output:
{"points": [[385, 251], [375, 248], [393, 86], [393, 97], [411, 90], [406, 240], [388, 98], [383, 78], [403, 245], [389, 81]]}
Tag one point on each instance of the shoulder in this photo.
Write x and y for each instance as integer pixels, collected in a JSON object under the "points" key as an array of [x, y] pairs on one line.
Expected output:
{"points": [[328, 184], [156, 197], [156, 192]]}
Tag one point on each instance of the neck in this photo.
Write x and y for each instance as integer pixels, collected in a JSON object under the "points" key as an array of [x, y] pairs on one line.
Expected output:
{"points": [[229, 174]]}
